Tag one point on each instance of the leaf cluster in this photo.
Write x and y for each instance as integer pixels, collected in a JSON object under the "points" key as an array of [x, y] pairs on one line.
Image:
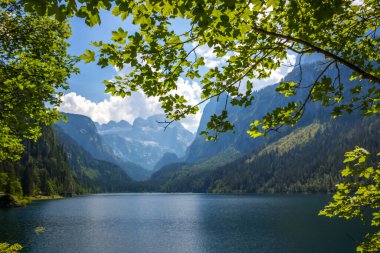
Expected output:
{"points": [[359, 194], [251, 39], [34, 68], [10, 248]]}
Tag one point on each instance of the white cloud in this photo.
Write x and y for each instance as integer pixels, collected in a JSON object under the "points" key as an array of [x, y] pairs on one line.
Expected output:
{"points": [[210, 58], [130, 108], [276, 76], [212, 61], [287, 66], [191, 122], [191, 91], [113, 108]]}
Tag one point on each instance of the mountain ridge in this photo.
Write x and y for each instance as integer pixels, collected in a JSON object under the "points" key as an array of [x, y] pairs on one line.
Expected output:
{"points": [[185, 176], [145, 141], [83, 130]]}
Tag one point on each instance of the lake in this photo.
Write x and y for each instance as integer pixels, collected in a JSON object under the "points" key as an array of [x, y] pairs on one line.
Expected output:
{"points": [[175, 223]]}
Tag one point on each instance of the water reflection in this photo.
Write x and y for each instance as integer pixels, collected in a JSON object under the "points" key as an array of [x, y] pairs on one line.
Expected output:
{"points": [[177, 223]]}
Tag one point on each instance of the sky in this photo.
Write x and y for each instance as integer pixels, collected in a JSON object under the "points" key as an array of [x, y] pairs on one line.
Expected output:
{"points": [[87, 95]]}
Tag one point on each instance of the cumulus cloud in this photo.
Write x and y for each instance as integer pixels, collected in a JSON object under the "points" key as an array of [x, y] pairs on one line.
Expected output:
{"points": [[190, 90], [139, 105], [212, 61], [130, 108], [192, 93], [113, 108], [287, 66], [191, 122], [210, 58]]}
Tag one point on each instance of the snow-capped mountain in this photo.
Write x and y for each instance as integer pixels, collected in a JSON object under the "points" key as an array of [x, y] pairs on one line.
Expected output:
{"points": [[145, 141]]}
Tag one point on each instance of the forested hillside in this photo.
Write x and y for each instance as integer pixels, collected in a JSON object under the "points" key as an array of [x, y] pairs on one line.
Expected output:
{"points": [[43, 170], [48, 167], [95, 175], [265, 100], [84, 132], [303, 158], [306, 160]]}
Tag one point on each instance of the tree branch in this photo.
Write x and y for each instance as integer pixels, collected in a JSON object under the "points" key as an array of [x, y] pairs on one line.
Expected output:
{"points": [[337, 58]]}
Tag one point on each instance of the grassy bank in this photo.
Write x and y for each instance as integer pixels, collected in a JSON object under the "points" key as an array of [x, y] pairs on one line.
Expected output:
{"points": [[44, 197], [7, 200]]}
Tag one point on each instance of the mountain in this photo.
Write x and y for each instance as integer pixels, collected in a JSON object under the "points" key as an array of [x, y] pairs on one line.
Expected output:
{"points": [[265, 100], [93, 174], [309, 159], [58, 165], [146, 141], [185, 177], [303, 158], [166, 159], [84, 132], [42, 170]]}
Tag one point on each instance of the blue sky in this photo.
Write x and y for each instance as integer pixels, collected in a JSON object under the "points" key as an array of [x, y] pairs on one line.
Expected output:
{"points": [[86, 94], [89, 82]]}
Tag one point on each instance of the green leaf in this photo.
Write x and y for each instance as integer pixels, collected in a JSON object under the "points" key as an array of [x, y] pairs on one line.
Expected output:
{"points": [[88, 56]]}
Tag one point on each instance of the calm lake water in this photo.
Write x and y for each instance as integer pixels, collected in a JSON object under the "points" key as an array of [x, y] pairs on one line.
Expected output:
{"points": [[179, 223]]}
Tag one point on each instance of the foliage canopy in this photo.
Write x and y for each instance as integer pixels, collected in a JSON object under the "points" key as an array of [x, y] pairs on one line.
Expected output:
{"points": [[34, 64], [359, 195], [10, 248], [252, 38]]}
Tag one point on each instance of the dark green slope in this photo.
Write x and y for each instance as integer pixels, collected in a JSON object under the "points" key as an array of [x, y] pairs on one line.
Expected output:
{"points": [[95, 175], [83, 131], [185, 177], [43, 169], [307, 160], [166, 159], [50, 168]]}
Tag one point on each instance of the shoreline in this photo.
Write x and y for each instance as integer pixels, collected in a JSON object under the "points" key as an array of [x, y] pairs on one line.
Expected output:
{"points": [[10, 201], [44, 197]]}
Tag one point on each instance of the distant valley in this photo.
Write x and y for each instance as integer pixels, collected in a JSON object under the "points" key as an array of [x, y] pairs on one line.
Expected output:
{"points": [[287, 161], [135, 148]]}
